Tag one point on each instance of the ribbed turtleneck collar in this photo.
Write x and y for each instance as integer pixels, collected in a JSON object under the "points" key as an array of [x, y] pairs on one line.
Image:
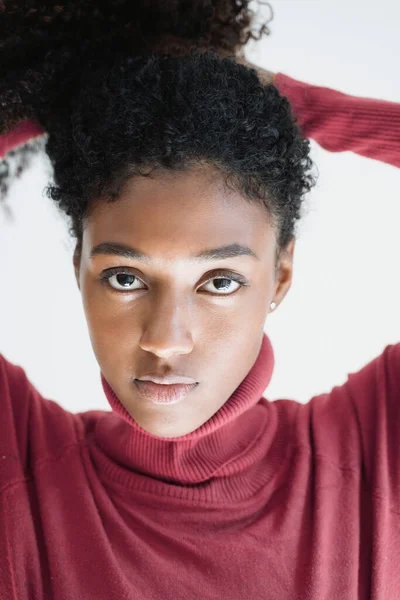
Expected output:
{"points": [[222, 460]]}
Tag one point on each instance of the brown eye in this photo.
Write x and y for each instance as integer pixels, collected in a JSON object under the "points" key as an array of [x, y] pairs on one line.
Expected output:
{"points": [[223, 285], [224, 280], [120, 280]]}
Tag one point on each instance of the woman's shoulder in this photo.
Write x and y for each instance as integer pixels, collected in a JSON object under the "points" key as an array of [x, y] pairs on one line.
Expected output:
{"points": [[356, 425], [32, 428]]}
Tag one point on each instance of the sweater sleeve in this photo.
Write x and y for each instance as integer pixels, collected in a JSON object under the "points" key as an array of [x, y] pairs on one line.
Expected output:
{"points": [[15, 405], [375, 396], [23, 133], [31, 427], [339, 122]]}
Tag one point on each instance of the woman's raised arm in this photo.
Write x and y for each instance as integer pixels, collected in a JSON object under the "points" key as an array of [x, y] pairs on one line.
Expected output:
{"points": [[339, 122], [23, 133]]}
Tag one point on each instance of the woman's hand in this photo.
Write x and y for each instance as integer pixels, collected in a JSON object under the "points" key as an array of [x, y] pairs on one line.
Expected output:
{"points": [[265, 77]]}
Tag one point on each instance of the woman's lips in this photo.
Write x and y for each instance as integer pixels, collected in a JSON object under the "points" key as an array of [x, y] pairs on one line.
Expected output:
{"points": [[163, 394]]}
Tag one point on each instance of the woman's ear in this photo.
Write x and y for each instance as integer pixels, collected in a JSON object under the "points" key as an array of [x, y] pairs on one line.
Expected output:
{"points": [[284, 272], [76, 262]]}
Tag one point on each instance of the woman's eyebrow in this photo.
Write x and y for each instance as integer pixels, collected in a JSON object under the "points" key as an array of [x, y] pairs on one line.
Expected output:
{"points": [[222, 252]]}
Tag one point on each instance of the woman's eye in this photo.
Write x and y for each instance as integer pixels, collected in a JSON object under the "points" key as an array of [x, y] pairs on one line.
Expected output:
{"points": [[121, 281], [223, 284], [219, 285]]}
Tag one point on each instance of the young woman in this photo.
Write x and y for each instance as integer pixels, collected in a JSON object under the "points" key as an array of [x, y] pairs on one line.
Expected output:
{"points": [[183, 178]]}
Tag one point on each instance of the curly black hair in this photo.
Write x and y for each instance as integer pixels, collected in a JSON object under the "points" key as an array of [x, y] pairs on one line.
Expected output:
{"points": [[125, 89]]}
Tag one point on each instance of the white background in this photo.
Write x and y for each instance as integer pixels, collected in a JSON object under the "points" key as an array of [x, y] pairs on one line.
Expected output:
{"points": [[343, 308]]}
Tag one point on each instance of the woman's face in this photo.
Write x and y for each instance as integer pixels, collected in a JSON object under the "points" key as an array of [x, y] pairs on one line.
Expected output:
{"points": [[168, 313]]}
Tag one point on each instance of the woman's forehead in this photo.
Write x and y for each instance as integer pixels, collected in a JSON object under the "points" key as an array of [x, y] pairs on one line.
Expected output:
{"points": [[193, 194], [169, 216]]}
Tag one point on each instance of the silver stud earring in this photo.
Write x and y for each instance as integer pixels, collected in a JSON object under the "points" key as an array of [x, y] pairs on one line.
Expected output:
{"points": [[273, 305]]}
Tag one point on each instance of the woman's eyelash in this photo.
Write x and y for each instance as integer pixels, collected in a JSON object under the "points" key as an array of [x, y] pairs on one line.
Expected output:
{"points": [[228, 275], [106, 275]]}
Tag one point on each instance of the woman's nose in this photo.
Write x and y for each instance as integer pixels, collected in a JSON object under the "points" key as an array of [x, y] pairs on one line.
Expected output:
{"points": [[168, 330]]}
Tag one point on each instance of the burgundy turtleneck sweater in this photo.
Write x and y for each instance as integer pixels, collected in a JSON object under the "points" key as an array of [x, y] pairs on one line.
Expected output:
{"points": [[266, 500]]}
